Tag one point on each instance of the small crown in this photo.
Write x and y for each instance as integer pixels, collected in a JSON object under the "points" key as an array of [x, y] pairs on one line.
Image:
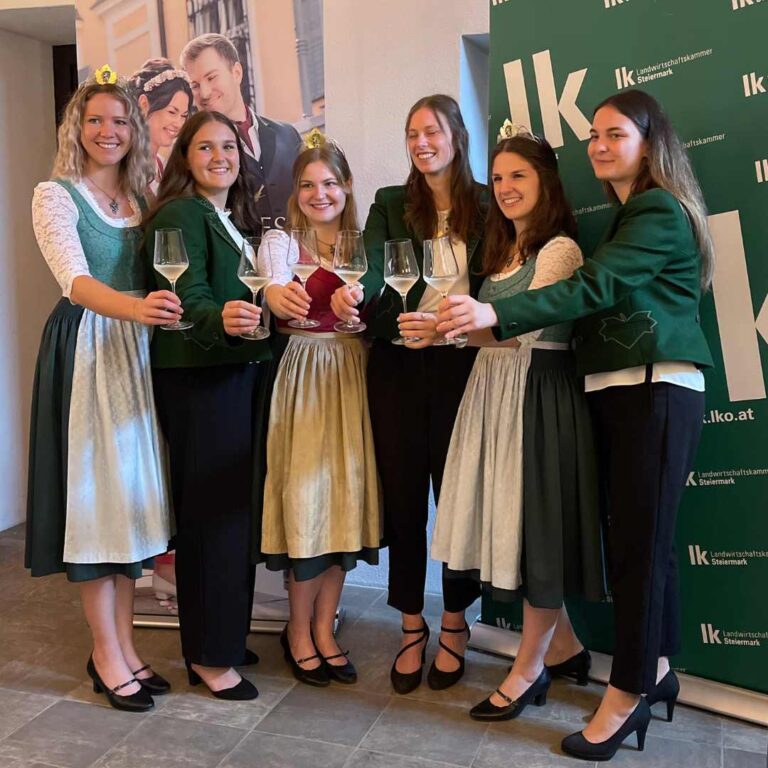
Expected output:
{"points": [[510, 130], [105, 75], [314, 139], [164, 77]]}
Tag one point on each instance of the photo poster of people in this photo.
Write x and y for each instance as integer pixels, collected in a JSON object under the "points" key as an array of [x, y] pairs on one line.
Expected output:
{"points": [[277, 47]]}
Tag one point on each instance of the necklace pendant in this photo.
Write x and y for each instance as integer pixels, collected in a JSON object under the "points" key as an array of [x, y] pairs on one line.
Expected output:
{"points": [[114, 206]]}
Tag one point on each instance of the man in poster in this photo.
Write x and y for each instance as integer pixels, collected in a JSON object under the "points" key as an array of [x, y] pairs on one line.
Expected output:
{"points": [[214, 68]]}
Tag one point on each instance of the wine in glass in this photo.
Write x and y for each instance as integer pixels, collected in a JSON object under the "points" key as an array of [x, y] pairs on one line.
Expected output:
{"points": [[350, 264], [441, 271], [254, 274], [170, 260], [303, 260], [401, 273]]}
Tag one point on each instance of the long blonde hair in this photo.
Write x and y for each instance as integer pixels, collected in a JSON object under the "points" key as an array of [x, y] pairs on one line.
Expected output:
{"points": [[667, 166], [137, 168]]}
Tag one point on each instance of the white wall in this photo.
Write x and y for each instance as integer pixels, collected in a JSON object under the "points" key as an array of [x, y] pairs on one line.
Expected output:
{"points": [[27, 290], [380, 57]]}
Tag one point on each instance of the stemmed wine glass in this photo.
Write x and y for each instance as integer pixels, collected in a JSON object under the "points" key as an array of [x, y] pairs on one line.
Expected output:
{"points": [[303, 259], [350, 264], [401, 272], [441, 271], [171, 261], [255, 275]]}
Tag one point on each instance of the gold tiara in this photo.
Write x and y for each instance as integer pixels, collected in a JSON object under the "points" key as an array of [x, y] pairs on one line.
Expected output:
{"points": [[105, 75]]}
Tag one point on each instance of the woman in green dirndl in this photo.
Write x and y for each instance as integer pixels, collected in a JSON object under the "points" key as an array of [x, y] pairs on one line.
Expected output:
{"points": [[97, 505]]}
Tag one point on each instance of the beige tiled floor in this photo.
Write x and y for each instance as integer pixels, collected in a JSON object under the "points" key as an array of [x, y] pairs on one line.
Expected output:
{"points": [[49, 715]]}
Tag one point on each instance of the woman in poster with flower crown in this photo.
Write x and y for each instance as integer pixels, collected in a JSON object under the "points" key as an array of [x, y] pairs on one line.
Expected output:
{"points": [[321, 512], [97, 505]]}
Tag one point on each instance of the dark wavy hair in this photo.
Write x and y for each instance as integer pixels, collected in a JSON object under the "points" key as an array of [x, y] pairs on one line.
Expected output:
{"points": [[551, 216], [178, 181], [420, 210], [160, 96], [667, 166]]}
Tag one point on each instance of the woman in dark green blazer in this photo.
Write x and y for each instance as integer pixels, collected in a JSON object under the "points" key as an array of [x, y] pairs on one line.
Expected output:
{"points": [[414, 390], [204, 388], [640, 346]]}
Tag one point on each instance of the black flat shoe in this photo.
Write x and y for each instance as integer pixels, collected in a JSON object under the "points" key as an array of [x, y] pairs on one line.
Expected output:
{"points": [[577, 746], [342, 673], [666, 690], [577, 667], [405, 682], [141, 701], [317, 676], [249, 659], [536, 693], [438, 679], [243, 691], [157, 685]]}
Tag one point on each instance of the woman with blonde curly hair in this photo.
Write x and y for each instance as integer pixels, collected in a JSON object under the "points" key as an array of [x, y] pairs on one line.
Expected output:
{"points": [[97, 505]]}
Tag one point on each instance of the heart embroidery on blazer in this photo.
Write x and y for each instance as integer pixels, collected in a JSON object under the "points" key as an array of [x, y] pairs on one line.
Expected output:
{"points": [[627, 331]]}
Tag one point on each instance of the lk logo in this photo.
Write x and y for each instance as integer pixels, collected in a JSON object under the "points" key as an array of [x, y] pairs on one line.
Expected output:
{"points": [[761, 169], [710, 635], [552, 107], [697, 554], [737, 5], [624, 77], [753, 85], [614, 3]]}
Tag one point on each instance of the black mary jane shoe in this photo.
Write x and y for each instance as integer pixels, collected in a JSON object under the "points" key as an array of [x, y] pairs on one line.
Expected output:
{"points": [[666, 690], [341, 673], [576, 745], [577, 667], [438, 679], [405, 682], [249, 659], [156, 684], [536, 693], [317, 676], [245, 690], [141, 701]]}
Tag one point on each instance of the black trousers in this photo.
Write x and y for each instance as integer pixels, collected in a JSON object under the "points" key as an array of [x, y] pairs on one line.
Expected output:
{"points": [[413, 397], [206, 417], [647, 436]]}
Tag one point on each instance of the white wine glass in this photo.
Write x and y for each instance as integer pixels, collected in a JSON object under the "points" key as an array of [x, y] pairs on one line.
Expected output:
{"points": [[254, 273], [303, 260], [350, 264], [170, 260], [401, 273], [441, 271]]}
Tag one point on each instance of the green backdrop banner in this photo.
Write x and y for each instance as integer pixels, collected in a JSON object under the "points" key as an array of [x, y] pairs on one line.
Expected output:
{"points": [[551, 62]]}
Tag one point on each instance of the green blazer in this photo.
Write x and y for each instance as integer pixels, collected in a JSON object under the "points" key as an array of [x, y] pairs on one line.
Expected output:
{"points": [[386, 222], [639, 294], [209, 282]]}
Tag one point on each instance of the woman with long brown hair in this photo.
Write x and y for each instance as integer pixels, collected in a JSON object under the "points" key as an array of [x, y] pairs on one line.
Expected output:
{"points": [[204, 388], [414, 389], [519, 504], [321, 500], [640, 347]]}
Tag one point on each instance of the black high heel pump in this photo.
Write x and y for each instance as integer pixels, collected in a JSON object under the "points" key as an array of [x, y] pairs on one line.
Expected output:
{"points": [[405, 682], [666, 690], [141, 701]]}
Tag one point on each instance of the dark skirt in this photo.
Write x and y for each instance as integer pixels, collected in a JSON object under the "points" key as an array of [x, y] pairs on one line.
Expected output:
{"points": [[48, 452]]}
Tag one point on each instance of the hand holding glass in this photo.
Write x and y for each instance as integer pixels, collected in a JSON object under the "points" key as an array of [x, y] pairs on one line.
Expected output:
{"points": [[441, 271], [255, 275], [350, 264], [170, 260], [401, 272], [303, 260]]}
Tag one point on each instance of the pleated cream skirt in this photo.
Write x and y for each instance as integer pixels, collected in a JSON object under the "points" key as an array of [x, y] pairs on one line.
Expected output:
{"points": [[321, 492]]}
